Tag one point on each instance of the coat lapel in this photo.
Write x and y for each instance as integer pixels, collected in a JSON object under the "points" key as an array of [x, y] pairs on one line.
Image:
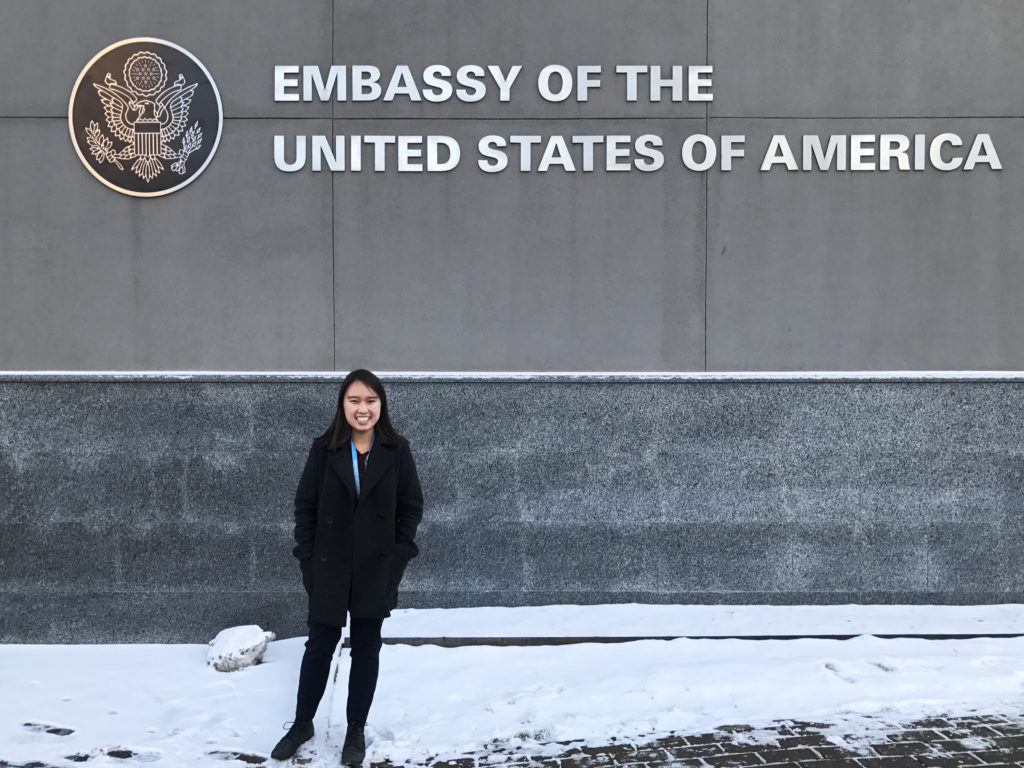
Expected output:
{"points": [[381, 457], [341, 460], [377, 464]]}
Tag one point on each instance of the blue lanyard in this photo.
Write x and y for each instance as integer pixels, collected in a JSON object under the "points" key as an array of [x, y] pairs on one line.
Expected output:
{"points": [[355, 462]]}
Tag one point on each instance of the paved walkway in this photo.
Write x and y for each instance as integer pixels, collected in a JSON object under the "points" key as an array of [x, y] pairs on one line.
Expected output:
{"points": [[935, 743], [953, 742]]}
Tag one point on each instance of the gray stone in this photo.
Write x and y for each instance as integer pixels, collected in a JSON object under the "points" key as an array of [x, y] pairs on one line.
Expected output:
{"points": [[57, 556], [189, 556], [273, 566], [485, 494], [466, 556], [864, 58], [972, 555], [673, 270], [840, 271], [187, 284], [614, 282], [238, 41], [123, 494], [153, 616], [533, 33]]}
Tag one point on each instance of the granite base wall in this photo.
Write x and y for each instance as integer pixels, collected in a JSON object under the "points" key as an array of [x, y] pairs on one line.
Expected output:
{"points": [[160, 509]]}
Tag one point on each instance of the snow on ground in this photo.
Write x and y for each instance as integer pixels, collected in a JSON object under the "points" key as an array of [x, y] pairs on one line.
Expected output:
{"points": [[163, 702]]}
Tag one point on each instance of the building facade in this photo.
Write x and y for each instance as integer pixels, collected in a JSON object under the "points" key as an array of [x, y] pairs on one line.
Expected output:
{"points": [[640, 273]]}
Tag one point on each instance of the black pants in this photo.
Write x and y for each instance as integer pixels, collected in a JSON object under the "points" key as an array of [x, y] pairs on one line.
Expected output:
{"points": [[316, 666]]}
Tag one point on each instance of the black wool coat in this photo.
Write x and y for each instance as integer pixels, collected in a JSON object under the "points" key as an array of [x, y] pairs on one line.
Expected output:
{"points": [[353, 551]]}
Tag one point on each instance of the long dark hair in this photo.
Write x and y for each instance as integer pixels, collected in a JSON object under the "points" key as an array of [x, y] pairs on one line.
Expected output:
{"points": [[339, 433]]}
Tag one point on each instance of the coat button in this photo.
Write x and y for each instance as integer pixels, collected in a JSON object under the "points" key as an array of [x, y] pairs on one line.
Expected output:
{"points": [[330, 520], [382, 556], [381, 518], [323, 558]]}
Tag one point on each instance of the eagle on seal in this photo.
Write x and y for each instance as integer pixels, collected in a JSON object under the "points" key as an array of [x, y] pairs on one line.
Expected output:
{"points": [[148, 116]]}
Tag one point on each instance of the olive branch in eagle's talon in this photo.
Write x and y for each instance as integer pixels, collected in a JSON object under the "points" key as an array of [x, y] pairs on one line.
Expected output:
{"points": [[191, 141], [100, 146]]}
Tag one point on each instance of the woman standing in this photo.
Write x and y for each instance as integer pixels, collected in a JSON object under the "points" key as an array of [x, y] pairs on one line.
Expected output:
{"points": [[356, 512]]}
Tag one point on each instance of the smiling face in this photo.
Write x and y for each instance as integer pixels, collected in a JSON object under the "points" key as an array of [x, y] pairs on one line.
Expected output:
{"points": [[362, 408]]}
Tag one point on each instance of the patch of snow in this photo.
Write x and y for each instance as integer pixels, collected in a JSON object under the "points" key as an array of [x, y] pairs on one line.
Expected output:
{"points": [[976, 743]]}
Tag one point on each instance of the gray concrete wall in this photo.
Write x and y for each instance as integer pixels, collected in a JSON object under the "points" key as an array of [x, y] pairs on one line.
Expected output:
{"points": [[250, 268], [161, 509]]}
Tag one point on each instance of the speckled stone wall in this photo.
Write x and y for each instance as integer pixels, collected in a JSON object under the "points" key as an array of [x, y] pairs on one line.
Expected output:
{"points": [[160, 509]]}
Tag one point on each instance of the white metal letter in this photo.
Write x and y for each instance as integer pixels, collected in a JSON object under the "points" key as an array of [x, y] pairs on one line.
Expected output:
{"points": [[544, 82], [983, 151], [402, 83], [312, 80], [673, 81], [861, 152], [282, 82], [812, 152], [488, 148], [470, 76], [779, 152], [919, 151], [504, 81], [365, 83], [556, 153], [322, 150], [935, 152], [646, 148], [893, 146], [409, 148], [584, 81], [588, 143], [434, 163], [710, 152], [632, 73], [698, 83], [436, 78], [300, 154], [732, 146], [525, 152], [616, 153]]}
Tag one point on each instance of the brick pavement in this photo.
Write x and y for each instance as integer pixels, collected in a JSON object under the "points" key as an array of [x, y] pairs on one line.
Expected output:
{"points": [[935, 743]]}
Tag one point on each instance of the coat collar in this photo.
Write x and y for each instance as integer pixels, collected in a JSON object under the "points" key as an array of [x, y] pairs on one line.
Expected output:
{"points": [[381, 457]]}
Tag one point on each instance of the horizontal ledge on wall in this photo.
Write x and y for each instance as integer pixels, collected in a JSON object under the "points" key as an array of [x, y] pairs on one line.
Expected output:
{"points": [[513, 376], [461, 642]]}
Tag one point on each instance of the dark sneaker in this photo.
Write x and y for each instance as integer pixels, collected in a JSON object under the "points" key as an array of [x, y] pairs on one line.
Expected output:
{"points": [[355, 745], [297, 735]]}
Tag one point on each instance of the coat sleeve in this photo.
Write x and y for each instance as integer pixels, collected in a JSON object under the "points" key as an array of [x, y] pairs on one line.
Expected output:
{"points": [[409, 510], [305, 506]]}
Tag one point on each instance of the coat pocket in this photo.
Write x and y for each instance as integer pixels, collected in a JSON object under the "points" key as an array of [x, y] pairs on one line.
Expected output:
{"points": [[395, 573], [306, 566]]}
